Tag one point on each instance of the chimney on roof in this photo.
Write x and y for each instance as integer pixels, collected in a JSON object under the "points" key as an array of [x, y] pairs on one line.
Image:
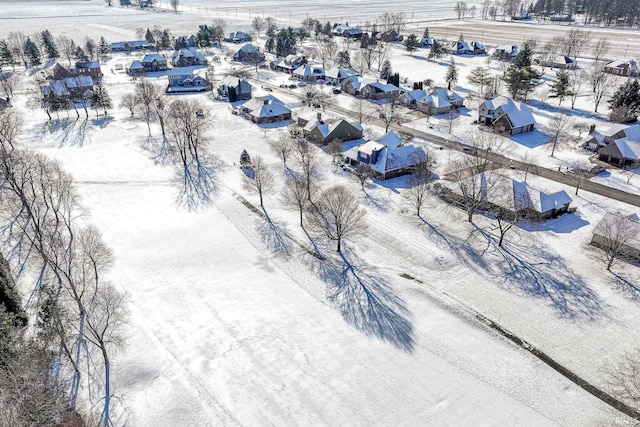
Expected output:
{"points": [[592, 128], [319, 115], [265, 101]]}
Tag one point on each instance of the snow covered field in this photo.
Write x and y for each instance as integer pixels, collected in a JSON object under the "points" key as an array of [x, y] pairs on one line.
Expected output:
{"points": [[234, 323]]}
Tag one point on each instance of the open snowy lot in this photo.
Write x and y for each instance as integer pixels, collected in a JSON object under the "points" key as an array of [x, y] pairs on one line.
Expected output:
{"points": [[234, 322]]}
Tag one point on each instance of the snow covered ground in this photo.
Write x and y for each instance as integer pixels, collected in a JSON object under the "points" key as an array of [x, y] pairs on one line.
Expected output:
{"points": [[234, 323]]}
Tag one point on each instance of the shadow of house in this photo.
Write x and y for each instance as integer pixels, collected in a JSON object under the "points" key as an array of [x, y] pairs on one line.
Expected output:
{"points": [[387, 156], [322, 128], [235, 89], [183, 80], [188, 57]]}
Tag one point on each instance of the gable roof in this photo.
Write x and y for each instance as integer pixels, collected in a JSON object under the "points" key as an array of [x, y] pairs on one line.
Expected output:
{"points": [[149, 57], [525, 197], [232, 81], [608, 222], [628, 149]]}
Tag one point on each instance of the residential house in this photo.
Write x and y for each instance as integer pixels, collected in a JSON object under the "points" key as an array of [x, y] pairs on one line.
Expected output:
{"points": [[461, 47], [186, 41], [378, 90], [308, 73], [426, 42], [183, 80], [506, 52], [536, 204], [597, 139], [322, 128], [523, 15], [136, 69], [129, 46], [506, 115], [89, 68], [288, 64], [353, 85], [621, 152], [188, 57], [235, 88], [562, 62], [623, 67], [72, 88], [438, 101], [336, 75], [347, 31], [389, 36], [616, 230], [388, 157], [264, 109], [238, 37], [249, 53], [154, 62]]}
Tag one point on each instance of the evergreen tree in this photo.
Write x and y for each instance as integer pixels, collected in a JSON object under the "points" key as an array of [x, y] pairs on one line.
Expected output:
{"points": [[521, 81], [426, 33], [245, 159], [103, 48], [452, 74], [9, 297], [90, 48], [523, 59], [100, 99], [284, 42], [270, 44], [480, 77], [165, 40], [203, 36], [32, 52], [386, 71], [6, 55], [49, 45], [80, 55], [411, 43], [326, 30], [436, 50], [561, 87], [343, 59], [625, 102], [394, 79], [149, 37]]}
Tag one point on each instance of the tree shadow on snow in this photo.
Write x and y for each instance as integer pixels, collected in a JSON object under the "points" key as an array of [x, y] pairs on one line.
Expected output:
{"points": [[366, 300], [628, 288], [275, 235], [542, 274], [197, 182], [160, 149]]}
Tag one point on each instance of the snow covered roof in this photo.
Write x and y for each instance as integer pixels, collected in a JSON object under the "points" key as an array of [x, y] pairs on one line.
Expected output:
{"points": [[526, 197], [88, 64], [248, 49], [498, 101], [232, 81], [180, 71], [416, 95], [271, 109], [619, 63], [339, 73], [518, 113], [151, 56], [308, 71], [308, 114], [383, 87], [357, 82], [390, 139], [136, 44], [628, 149], [136, 65], [507, 49], [188, 52]]}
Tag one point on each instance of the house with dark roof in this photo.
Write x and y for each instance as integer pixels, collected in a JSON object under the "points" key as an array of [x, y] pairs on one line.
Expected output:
{"points": [[347, 31], [622, 152], [506, 52], [235, 88], [288, 64], [249, 54], [354, 85], [461, 47], [183, 80], [323, 128], [238, 37], [136, 69], [388, 156], [154, 62], [561, 62], [188, 57]]}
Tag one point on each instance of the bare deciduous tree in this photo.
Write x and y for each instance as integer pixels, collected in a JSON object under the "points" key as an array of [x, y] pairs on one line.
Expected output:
{"points": [[188, 123], [600, 49], [130, 102], [146, 94], [67, 47], [360, 108], [335, 149], [174, 4], [580, 171], [558, 131], [338, 215], [388, 112], [601, 83], [308, 162], [295, 195], [262, 180], [8, 84], [612, 234], [362, 172], [575, 41], [258, 25], [283, 147]]}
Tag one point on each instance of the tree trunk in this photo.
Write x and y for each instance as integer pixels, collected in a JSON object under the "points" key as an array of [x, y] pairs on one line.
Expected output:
{"points": [[338, 250], [301, 225], [470, 216]]}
